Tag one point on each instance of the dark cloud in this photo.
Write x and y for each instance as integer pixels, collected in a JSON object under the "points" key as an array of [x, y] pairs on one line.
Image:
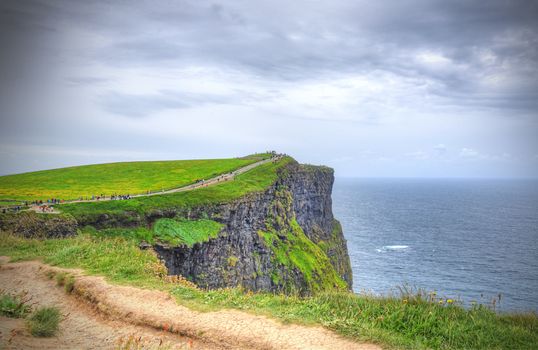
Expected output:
{"points": [[288, 59], [301, 40], [297, 43]]}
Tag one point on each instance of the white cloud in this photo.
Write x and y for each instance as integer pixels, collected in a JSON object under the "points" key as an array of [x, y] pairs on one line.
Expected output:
{"points": [[419, 155], [343, 159], [441, 149], [433, 59], [469, 153]]}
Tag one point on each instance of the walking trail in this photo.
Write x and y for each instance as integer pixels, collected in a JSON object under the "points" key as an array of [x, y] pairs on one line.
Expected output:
{"points": [[205, 183], [98, 315]]}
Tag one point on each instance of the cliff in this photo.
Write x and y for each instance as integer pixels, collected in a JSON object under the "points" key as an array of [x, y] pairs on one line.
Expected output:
{"points": [[270, 229], [284, 239]]}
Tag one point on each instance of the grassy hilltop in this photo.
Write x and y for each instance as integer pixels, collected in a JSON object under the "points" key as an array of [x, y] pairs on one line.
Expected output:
{"points": [[120, 178], [255, 180]]}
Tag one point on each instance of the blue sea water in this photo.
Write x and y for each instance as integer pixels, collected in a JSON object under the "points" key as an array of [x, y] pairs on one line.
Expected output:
{"points": [[463, 238]]}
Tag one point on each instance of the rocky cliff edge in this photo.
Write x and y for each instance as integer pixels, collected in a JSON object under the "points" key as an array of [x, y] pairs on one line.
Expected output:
{"points": [[284, 239]]}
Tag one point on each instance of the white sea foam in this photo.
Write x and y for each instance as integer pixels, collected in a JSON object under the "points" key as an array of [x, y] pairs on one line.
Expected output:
{"points": [[396, 247], [387, 248]]}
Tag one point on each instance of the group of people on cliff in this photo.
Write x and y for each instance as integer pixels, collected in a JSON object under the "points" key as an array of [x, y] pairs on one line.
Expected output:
{"points": [[114, 197], [117, 197], [48, 201], [15, 209]]}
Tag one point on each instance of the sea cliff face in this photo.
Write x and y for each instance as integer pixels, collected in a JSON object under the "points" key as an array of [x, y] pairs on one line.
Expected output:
{"points": [[284, 239]]}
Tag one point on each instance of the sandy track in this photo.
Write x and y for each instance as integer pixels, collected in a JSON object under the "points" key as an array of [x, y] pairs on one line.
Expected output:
{"points": [[82, 327], [110, 312]]}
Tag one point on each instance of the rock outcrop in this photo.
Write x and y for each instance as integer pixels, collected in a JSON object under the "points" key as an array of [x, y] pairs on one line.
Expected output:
{"points": [[284, 239], [32, 225]]}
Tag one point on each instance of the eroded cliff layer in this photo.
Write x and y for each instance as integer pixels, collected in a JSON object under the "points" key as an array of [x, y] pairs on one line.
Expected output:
{"points": [[284, 239]]}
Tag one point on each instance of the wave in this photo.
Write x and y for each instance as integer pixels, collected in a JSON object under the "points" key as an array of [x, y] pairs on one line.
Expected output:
{"points": [[396, 247], [387, 248]]}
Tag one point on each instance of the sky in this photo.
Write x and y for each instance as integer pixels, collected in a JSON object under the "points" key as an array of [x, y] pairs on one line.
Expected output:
{"points": [[403, 88]]}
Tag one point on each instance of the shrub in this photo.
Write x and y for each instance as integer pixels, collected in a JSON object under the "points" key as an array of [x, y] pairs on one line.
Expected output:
{"points": [[44, 322]]}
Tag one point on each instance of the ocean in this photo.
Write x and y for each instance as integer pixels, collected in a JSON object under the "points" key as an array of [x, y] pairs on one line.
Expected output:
{"points": [[466, 239]]}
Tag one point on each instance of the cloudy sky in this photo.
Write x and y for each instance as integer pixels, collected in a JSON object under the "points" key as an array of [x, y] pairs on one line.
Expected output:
{"points": [[371, 88]]}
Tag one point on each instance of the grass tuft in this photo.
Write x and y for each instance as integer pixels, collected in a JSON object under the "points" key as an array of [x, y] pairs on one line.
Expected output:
{"points": [[14, 306], [65, 280], [44, 322], [69, 283], [60, 278]]}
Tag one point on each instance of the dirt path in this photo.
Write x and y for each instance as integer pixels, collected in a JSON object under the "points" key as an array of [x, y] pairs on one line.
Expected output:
{"points": [[50, 209], [103, 313], [82, 326]]}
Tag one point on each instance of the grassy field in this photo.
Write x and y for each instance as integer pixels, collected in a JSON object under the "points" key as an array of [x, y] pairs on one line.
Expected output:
{"points": [[254, 180], [118, 178], [412, 321]]}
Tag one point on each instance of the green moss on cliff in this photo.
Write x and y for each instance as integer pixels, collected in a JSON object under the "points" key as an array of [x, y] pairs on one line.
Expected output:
{"points": [[174, 232], [292, 251], [335, 248], [186, 232]]}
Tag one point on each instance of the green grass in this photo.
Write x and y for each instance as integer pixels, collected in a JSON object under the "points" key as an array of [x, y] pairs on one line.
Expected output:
{"points": [[255, 180], [119, 178], [44, 322], [9, 203], [408, 322], [118, 258], [417, 324], [65, 280], [171, 231], [188, 232], [138, 234], [13, 306]]}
